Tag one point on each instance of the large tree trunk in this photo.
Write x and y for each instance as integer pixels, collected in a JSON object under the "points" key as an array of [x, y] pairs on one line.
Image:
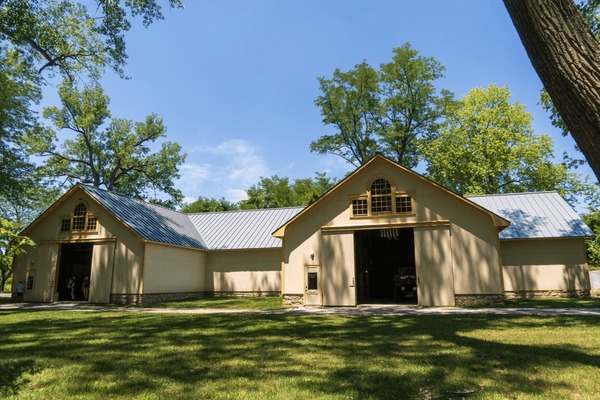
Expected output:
{"points": [[566, 56]]}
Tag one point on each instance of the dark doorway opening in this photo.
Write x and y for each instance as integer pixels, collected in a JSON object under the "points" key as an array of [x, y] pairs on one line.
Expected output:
{"points": [[385, 266], [75, 266]]}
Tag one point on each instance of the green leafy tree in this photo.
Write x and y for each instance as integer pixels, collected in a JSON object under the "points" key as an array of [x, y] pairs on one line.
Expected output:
{"points": [[276, 192], [410, 107], [310, 189], [11, 244], [205, 204], [17, 93], [44, 39], [488, 146], [592, 219], [70, 37], [107, 152], [348, 102], [392, 110]]}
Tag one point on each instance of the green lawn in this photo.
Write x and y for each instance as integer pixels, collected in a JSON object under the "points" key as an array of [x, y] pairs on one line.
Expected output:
{"points": [[227, 302], [588, 302], [123, 355], [275, 303]]}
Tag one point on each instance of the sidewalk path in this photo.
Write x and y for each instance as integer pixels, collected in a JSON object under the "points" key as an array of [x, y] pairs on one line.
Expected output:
{"points": [[371, 310]]}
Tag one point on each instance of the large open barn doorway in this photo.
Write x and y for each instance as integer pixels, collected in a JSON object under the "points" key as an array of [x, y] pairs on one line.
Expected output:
{"points": [[74, 268], [385, 266]]}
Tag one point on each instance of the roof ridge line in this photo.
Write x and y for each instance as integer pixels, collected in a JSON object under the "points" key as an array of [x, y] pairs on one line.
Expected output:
{"points": [[85, 186], [510, 194], [248, 210]]}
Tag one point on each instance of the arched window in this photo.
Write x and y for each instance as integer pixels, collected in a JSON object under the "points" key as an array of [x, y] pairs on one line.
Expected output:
{"points": [[80, 220], [79, 215], [381, 196]]}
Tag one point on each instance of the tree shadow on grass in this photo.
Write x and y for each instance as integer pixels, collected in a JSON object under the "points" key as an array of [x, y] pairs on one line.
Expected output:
{"points": [[282, 356]]}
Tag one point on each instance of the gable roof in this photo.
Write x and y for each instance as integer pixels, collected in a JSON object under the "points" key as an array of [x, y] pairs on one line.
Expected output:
{"points": [[246, 229], [498, 220], [151, 222], [535, 215]]}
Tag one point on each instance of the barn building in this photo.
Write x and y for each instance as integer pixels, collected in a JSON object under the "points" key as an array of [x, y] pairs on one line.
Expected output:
{"points": [[383, 234]]}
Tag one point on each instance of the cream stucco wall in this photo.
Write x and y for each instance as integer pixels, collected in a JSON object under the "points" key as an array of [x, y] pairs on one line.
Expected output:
{"points": [[548, 264], [170, 269], [40, 263], [433, 256], [251, 271], [467, 251], [116, 259]]}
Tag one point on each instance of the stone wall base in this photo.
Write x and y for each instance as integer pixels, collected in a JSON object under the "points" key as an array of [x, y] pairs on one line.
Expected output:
{"points": [[293, 300], [530, 294], [467, 300], [128, 298]]}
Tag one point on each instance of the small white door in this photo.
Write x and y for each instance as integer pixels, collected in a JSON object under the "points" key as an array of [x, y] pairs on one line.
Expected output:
{"points": [[312, 286]]}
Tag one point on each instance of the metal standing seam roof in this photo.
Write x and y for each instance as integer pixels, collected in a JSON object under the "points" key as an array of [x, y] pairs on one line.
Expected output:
{"points": [[245, 229], [151, 222], [535, 215]]}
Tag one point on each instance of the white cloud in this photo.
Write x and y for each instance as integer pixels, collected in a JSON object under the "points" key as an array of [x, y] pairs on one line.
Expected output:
{"points": [[236, 195], [225, 170]]}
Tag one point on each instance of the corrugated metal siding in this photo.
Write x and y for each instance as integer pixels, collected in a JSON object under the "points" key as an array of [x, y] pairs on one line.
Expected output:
{"points": [[154, 223], [535, 215], [247, 229]]}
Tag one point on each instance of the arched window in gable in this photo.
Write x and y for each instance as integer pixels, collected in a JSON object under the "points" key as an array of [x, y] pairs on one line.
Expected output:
{"points": [[382, 198], [80, 220], [79, 215]]}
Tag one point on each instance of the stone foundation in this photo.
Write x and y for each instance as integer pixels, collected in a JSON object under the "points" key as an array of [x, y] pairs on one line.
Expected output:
{"points": [[293, 300], [530, 294], [469, 300], [150, 298], [126, 298]]}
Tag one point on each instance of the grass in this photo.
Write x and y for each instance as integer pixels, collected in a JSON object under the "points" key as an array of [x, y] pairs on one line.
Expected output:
{"points": [[275, 303], [122, 355], [588, 302], [226, 302]]}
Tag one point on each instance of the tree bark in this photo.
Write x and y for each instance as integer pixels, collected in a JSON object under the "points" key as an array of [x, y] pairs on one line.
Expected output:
{"points": [[566, 56]]}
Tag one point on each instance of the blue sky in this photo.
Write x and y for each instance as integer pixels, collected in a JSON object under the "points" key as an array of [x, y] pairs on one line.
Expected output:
{"points": [[236, 80]]}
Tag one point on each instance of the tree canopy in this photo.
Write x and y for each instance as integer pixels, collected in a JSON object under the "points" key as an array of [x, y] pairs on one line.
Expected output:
{"points": [[488, 146], [205, 204], [11, 245], [41, 40], [390, 110], [72, 38], [592, 219], [108, 152], [277, 192]]}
